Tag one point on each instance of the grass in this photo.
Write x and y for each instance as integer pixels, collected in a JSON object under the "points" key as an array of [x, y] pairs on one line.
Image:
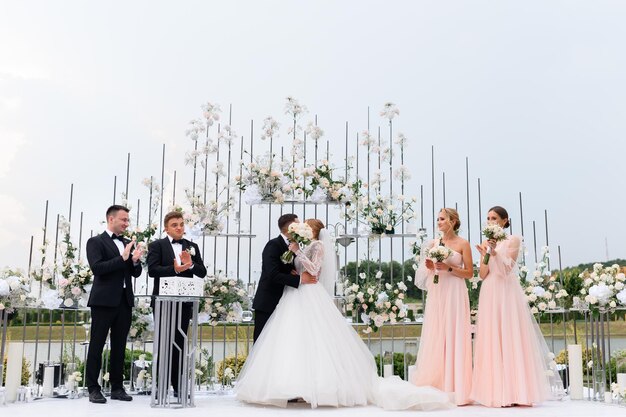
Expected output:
{"points": [[241, 332]]}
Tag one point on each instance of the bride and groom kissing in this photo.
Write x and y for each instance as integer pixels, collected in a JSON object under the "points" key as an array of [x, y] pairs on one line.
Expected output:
{"points": [[303, 347]]}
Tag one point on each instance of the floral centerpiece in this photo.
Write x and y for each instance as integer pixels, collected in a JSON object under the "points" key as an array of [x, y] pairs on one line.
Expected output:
{"points": [[300, 233], [492, 232], [542, 289], [14, 289], [224, 300], [322, 187], [378, 303], [603, 288], [209, 217], [261, 182], [142, 322], [382, 215]]}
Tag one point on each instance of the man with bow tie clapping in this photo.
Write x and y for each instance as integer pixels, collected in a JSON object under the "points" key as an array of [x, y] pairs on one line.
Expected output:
{"points": [[175, 256], [113, 261]]}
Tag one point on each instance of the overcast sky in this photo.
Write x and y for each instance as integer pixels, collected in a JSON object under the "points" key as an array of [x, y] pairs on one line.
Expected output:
{"points": [[532, 92]]}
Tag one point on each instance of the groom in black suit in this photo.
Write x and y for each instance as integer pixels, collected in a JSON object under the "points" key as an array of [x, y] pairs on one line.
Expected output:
{"points": [[113, 262], [275, 275], [175, 256]]}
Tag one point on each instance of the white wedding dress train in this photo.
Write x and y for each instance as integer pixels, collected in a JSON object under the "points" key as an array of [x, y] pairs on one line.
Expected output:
{"points": [[307, 350]]}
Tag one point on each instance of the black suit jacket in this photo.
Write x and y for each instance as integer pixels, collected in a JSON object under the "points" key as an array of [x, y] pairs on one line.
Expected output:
{"points": [[110, 272], [161, 261], [274, 276]]}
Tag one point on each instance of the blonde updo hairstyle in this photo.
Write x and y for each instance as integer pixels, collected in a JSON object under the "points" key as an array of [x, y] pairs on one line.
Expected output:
{"points": [[316, 225], [453, 217]]}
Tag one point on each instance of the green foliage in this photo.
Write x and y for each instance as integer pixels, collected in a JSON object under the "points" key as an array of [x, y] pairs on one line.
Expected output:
{"points": [[232, 362], [399, 363], [128, 359], [25, 372]]}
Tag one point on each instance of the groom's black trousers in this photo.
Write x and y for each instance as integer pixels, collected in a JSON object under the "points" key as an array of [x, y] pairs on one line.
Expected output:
{"points": [[260, 318]]}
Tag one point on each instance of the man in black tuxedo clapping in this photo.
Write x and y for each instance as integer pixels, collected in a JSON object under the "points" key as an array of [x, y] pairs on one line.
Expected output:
{"points": [[175, 256], [113, 261]]}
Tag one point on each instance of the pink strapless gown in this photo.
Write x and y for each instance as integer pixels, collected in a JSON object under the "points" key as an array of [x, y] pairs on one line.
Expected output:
{"points": [[444, 359], [509, 367]]}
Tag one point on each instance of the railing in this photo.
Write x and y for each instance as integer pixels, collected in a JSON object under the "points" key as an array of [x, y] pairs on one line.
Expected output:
{"points": [[61, 336]]}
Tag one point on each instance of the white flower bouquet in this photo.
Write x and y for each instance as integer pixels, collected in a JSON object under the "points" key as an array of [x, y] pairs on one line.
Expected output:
{"points": [[300, 233], [492, 232], [438, 253]]}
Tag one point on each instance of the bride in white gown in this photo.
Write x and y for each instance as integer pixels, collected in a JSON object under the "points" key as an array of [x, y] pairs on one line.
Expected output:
{"points": [[308, 351]]}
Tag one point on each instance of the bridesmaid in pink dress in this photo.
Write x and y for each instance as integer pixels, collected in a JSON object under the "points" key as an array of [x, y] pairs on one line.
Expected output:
{"points": [[511, 359], [444, 359]]}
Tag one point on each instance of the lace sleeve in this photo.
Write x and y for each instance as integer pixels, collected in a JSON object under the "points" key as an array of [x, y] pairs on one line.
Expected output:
{"points": [[312, 261]]}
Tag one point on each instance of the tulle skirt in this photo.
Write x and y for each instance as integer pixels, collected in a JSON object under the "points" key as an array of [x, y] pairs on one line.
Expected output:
{"points": [[307, 350]]}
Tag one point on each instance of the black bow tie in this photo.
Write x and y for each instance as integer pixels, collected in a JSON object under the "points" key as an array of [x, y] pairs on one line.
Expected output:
{"points": [[180, 241], [120, 238]]}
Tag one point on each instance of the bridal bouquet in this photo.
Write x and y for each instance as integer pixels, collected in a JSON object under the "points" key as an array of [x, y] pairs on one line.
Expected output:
{"points": [[300, 233], [495, 232], [438, 254], [14, 289]]}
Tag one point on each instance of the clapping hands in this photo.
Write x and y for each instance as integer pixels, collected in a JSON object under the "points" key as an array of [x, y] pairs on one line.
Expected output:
{"points": [[185, 259]]}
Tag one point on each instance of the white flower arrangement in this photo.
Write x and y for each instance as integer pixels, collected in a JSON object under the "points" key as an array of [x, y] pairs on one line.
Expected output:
{"points": [[317, 183], [76, 277], [142, 322], [209, 217], [377, 303], [224, 300], [302, 234], [543, 290], [389, 111], [14, 289], [603, 288], [380, 214], [261, 182]]}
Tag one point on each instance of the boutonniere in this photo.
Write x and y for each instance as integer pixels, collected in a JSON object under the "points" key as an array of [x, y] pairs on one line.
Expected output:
{"points": [[191, 250]]}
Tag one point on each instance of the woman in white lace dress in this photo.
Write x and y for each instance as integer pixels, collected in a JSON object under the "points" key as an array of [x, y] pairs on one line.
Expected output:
{"points": [[307, 350]]}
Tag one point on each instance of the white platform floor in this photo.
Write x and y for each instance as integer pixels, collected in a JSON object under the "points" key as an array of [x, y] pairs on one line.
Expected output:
{"points": [[229, 406]]}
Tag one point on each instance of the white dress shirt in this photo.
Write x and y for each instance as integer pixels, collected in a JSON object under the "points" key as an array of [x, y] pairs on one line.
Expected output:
{"points": [[119, 244], [178, 249]]}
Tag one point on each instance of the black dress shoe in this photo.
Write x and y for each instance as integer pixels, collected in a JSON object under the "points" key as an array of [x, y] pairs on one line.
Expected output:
{"points": [[97, 397], [120, 394]]}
